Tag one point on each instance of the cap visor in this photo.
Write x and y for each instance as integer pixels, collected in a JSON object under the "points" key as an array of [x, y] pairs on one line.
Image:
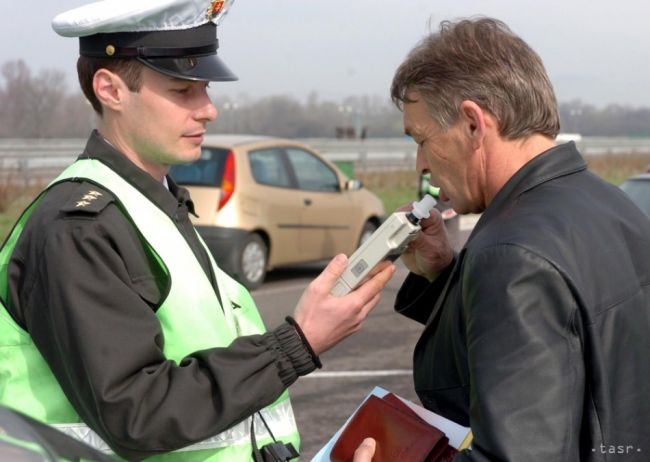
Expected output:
{"points": [[206, 68]]}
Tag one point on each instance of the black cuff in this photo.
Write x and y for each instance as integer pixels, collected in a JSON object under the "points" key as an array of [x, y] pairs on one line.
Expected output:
{"points": [[294, 360], [314, 356]]}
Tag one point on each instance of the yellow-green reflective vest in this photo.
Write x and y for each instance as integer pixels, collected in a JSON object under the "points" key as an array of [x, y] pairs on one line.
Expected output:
{"points": [[191, 319]]}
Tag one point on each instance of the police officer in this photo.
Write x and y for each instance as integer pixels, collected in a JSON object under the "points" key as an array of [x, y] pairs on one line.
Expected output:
{"points": [[116, 325]]}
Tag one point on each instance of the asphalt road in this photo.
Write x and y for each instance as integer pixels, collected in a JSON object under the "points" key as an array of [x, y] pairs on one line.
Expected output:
{"points": [[380, 354], [384, 346]]}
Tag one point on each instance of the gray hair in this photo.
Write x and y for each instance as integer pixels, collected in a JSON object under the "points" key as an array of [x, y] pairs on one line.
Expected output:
{"points": [[480, 60]]}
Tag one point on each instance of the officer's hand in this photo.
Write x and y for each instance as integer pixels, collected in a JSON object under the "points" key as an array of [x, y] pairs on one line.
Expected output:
{"points": [[365, 451], [325, 319], [430, 252]]}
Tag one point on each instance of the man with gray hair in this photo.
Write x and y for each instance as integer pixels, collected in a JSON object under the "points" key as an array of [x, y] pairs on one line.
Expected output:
{"points": [[537, 333]]}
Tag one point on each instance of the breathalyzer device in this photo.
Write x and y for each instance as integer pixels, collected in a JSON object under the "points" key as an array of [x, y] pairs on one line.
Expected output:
{"points": [[386, 243]]}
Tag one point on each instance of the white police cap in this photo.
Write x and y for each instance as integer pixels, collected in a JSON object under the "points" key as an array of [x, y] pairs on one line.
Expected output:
{"points": [[175, 37]]}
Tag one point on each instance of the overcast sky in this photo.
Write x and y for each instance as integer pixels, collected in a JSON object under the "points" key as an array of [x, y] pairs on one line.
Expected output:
{"points": [[597, 51]]}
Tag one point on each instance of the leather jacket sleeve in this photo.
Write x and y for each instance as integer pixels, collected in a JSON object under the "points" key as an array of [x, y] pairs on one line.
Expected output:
{"points": [[525, 366], [417, 296]]}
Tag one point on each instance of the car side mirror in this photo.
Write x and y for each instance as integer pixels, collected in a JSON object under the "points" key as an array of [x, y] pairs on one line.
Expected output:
{"points": [[353, 185]]}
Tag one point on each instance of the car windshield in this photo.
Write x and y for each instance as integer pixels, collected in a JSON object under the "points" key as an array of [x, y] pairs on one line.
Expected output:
{"points": [[206, 171], [639, 192]]}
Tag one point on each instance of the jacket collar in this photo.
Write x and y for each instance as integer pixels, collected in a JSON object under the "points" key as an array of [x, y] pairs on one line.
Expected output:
{"points": [[556, 162], [100, 149], [551, 164]]}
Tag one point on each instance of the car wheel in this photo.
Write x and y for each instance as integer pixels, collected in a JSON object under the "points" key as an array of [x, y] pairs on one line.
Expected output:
{"points": [[252, 261], [368, 228]]}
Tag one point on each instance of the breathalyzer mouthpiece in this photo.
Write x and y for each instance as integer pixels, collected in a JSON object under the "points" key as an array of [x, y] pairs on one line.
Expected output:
{"points": [[422, 208]]}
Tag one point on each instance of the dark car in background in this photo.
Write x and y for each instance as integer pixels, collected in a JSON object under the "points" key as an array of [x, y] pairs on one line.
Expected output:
{"points": [[265, 202], [638, 188]]}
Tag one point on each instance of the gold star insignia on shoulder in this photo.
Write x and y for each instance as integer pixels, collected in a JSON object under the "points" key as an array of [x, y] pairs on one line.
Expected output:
{"points": [[88, 200], [91, 196]]}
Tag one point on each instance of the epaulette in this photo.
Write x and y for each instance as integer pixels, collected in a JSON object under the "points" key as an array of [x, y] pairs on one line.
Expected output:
{"points": [[88, 198]]}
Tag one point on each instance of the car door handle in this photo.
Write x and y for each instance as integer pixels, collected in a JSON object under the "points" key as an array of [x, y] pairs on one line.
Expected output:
{"points": [[307, 201]]}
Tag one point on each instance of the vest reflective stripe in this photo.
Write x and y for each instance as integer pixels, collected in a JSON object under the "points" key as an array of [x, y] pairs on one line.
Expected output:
{"points": [[278, 419], [191, 318]]}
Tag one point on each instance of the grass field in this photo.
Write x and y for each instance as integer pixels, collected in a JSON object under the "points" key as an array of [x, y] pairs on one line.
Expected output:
{"points": [[393, 187], [13, 200]]}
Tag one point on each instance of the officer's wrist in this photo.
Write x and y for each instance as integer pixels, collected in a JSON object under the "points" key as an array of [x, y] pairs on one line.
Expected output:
{"points": [[314, 357]]}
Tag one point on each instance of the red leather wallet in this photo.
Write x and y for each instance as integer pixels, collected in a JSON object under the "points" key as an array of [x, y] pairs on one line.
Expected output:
{"points": [[401, 435]]}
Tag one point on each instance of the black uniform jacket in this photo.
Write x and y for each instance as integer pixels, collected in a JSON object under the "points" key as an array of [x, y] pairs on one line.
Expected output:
{"points": [[82, 285], [539, 335]]}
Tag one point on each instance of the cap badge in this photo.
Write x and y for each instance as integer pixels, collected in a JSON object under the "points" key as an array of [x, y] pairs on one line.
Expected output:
{"points": [[214, 9], [110, 50]]}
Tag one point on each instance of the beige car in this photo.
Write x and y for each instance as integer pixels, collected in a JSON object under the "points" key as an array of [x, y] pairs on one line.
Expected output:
{"points": [[265, 202]]}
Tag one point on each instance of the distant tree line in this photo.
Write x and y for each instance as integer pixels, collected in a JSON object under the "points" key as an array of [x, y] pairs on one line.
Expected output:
{"points": [[42, 106], [613, 120], [284, 115]]}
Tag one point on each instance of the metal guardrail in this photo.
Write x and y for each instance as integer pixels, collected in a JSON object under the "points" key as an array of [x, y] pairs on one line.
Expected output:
{"points": [[34, 162], [37, 161], [594, 146], [31, 161]]}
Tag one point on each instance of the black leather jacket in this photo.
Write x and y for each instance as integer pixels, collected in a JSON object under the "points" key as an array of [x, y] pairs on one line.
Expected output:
{"points": [[538, 337]]}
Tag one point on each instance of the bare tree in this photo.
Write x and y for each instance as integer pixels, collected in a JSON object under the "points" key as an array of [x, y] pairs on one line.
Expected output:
{"points": [[75, 117], [39, 106], [14, 98]]}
